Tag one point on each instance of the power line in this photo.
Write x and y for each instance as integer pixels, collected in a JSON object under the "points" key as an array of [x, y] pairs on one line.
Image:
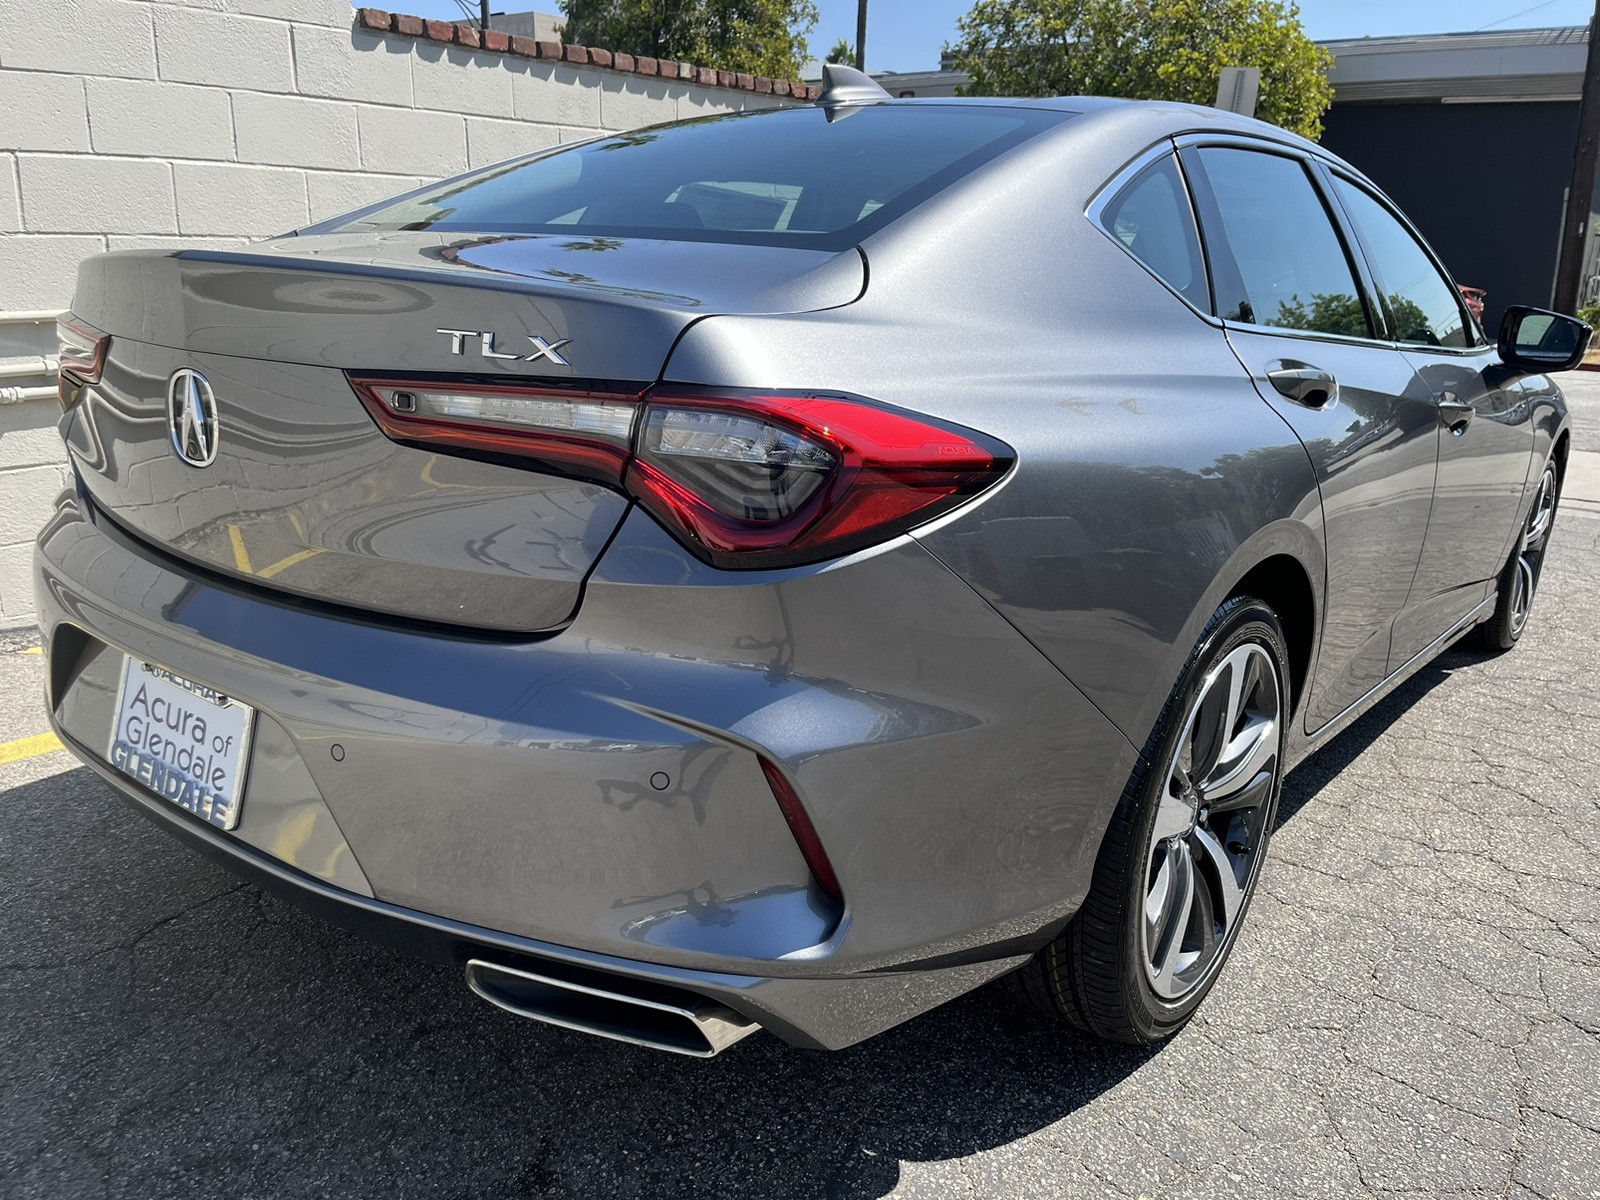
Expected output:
{"points": [[1514, 16]]}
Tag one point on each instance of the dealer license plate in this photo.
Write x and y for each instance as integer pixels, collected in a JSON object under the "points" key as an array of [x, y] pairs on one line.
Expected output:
{"points": [[184, 741]]}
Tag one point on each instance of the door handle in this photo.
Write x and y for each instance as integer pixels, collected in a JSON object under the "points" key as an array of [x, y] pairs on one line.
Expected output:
{"points": [[1304, 384], [1456, 413]]}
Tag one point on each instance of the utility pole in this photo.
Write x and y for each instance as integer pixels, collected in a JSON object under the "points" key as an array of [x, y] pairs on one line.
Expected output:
{"points": [[861, 33], [1580, 193], [483, 13]]}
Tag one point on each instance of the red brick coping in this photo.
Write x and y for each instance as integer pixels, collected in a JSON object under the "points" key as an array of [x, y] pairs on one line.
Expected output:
{"points": [[470, 36]]}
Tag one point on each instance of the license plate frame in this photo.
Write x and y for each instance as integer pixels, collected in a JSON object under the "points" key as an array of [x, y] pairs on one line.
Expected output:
{"points": [[184, 727]]}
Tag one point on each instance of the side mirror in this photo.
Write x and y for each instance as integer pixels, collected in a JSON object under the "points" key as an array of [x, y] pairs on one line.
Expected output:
{"points": [[1536, 339]]}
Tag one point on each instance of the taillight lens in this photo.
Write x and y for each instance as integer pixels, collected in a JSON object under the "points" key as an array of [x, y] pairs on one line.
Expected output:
{"points": [[81, 350], [744, 467], [745, 480], [588, 434], [763, 480]]}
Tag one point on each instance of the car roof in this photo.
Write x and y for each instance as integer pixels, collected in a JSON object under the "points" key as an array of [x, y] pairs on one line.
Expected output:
{"points": [[1134, 119], [1183, 117]]}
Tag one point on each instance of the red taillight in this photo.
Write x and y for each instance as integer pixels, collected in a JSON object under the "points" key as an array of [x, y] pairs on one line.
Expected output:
{"points": [[745, 480], [804, 833], [823, 476], [81, 350]]}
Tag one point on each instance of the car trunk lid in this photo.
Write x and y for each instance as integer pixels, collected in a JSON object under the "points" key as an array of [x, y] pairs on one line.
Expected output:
{"points": [[305, 495]]}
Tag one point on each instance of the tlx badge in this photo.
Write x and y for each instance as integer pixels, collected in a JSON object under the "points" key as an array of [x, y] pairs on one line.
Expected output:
{"points": [[541, 347]]}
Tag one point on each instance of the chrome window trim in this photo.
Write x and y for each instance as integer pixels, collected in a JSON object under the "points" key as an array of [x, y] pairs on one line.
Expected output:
{"points": [[1313, 335], [1337, 166], [1270, 145], [1266, 145], [1107, 192], [1377, 196]]}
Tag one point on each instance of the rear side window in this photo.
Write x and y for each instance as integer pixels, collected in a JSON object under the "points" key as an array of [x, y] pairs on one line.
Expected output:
{"points": [[1293, 270], [1152, 219], [784, 177], [1424, 310]]}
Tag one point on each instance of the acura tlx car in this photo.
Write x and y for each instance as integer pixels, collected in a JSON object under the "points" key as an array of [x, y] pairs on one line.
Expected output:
{"points": [[784, 570]]}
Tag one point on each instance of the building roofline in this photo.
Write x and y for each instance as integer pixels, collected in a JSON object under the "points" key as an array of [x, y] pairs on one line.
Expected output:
{"points": [[1518, 64], [1481, 38]]}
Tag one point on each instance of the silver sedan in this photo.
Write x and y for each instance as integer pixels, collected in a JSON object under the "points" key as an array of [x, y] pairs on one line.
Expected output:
{"points": [[781, 571]]}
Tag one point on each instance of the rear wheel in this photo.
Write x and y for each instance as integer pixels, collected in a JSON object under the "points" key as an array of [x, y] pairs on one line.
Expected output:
{"points": [[1519, 579], [1184, 849]]}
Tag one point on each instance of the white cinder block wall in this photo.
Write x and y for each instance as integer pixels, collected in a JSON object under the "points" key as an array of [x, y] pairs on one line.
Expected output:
{"points": [[129, 124]]}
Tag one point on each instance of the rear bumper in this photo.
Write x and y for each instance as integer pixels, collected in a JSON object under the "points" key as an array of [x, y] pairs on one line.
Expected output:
{"points": [[817, 1014], [507, 800]]}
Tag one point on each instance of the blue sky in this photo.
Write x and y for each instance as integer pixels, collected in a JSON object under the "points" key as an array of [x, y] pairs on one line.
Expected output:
{"points": [[906, 35]]}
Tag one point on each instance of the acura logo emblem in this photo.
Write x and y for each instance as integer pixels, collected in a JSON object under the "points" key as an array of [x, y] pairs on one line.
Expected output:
{"points": [[192, 417]]}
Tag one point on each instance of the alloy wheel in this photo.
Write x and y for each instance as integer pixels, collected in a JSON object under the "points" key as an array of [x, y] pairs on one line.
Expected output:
{"points": [[1208, 840], [1531, 557]]}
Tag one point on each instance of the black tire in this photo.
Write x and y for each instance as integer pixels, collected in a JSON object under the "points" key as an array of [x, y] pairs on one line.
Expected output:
{"points": [[1519, 578], [1101, 973]]}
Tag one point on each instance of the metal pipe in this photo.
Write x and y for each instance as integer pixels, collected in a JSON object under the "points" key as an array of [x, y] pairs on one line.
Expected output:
{"points": [[18, 395], [43, 364]]}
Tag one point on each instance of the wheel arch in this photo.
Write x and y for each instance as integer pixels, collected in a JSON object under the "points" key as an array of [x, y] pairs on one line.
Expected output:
{"points": [[1282, 581], [1285, 565]]}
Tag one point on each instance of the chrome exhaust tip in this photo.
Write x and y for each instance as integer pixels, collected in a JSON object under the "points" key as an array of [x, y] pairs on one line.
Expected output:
{"points": [[623, 1009]]}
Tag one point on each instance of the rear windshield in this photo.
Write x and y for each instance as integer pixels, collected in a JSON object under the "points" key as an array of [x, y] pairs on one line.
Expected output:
{"points": [[788, 177]]}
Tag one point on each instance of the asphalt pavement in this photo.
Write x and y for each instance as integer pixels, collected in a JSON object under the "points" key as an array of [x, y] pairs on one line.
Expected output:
{"points": [[1413, 1008]]}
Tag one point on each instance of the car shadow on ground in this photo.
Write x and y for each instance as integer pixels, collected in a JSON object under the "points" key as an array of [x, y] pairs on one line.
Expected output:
{"points": [[172, 1031], [1307, 780]]}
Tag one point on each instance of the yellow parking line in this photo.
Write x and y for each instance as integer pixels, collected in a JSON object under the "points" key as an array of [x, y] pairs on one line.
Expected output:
{"points": [[241, 556], [29, 747], [34, 650], [427, 476], [283, 564]]}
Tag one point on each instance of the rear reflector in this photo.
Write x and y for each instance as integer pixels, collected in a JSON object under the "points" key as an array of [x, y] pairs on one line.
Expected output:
{"points": [[743, 479], [81, 350], [803, 831]]}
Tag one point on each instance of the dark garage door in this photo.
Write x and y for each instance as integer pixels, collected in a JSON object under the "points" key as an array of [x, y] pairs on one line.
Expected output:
{"points": [[1484, 182]]}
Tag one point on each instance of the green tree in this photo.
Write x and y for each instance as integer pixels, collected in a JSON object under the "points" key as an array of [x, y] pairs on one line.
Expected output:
{"points": [[842, 52], [1409, 323], [1335, 312], [760, 37], [1147, 50], [1340, 312]]}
